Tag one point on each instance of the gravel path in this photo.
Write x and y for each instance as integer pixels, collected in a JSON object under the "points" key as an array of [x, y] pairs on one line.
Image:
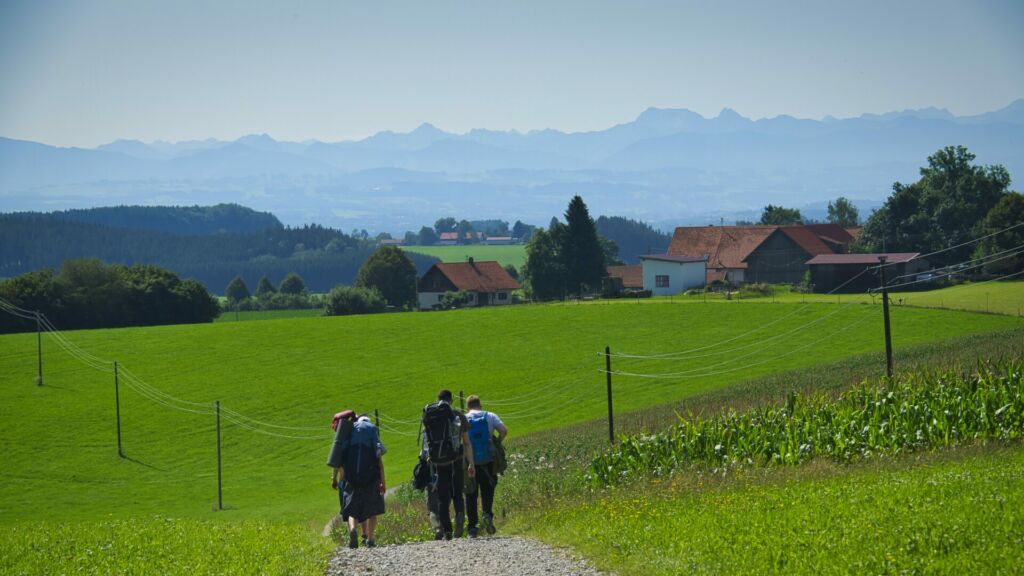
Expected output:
{"points": [[494, 556]]}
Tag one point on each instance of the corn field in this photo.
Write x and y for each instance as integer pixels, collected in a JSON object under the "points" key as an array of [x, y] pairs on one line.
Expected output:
{"points": [[914, 411]]}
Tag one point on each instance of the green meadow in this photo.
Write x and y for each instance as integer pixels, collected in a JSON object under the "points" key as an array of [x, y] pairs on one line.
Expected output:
{"points": [[514, 254], [280, 380]]}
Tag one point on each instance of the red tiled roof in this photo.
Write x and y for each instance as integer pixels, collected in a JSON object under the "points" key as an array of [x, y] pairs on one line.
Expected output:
{"points": [[854, 231], [724, 246], [832, 232], [806, 239], [891, 257], [449, 236], [486, 276], [632, 275], [672, 258]]}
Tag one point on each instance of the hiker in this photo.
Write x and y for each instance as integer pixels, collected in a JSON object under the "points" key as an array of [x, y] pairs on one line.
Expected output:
{"points": [[360, 481], [449, 454], [482, 426]]}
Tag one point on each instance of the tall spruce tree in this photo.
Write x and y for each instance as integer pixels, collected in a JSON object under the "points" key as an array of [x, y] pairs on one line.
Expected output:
{"points": [[582, 253]]}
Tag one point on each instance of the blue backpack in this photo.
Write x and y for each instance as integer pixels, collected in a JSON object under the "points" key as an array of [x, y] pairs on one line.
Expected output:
{"points": [[361, 464], [480, 438]]}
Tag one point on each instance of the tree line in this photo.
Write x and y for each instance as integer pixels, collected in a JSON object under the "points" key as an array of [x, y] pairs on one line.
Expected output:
{"points": [[324, 257], [87, 293]]}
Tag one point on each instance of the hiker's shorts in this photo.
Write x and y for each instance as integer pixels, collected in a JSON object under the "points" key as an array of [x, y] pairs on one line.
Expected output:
{"points": [[361, 502]]}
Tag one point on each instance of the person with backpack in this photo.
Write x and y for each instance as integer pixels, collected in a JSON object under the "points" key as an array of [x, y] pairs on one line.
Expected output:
{"points": [[448, 452], [362, 481], [482, 426]]}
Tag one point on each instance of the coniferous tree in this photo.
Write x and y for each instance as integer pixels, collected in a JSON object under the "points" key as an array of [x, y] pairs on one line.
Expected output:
{"points": [[582, 254]]}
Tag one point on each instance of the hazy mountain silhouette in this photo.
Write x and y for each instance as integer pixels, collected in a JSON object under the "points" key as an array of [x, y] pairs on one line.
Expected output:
{"points": [[667, 164]]}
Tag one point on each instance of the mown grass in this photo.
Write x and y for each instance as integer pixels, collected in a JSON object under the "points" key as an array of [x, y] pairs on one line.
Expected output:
{"points": [[950, 512], [514, 254], [999, 297], [542, 361], [548, 466], [161, 545], [248, 315]]}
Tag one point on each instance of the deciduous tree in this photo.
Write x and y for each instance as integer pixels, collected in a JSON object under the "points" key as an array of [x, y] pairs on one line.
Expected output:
{"points": [[843, 213], [391, 272]]}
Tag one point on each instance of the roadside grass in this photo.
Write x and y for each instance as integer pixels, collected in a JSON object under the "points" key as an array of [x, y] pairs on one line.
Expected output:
{"points": [[513, 254], [231, 316], [161, 545], [535, 365], [955, 511]]}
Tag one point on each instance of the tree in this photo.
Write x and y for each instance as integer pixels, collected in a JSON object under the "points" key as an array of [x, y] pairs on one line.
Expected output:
{"points": [[522, 231], [391, 272], [543, 271], [292, 284], [632, 237], [942, 209], [236, 290], [780, 216], [582, 253], [511, 269], [265, 288], [345, 300], [1008, 212], [427, 236], [610, 250], [446, 224], [465, 231], [843, 213]]}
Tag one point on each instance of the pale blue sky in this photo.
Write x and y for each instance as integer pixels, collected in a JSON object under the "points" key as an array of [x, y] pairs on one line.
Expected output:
{"points": [[85, 73]]}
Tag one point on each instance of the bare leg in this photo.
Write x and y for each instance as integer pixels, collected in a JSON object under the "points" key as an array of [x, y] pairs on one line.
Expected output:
{"points": [[371, 528]]}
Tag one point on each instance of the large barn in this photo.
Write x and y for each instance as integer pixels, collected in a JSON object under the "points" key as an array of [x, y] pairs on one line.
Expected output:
{"points": [[854, 273]]}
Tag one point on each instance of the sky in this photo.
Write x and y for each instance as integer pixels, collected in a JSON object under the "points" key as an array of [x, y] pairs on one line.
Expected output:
{"points": [[83, 73]]}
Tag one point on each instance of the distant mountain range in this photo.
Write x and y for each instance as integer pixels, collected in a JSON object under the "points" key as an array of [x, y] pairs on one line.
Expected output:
{"points": [[669, 166]]}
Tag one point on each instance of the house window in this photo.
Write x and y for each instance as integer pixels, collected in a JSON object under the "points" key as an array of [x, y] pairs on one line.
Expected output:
{"points": [[502, 295], [661, 281]]}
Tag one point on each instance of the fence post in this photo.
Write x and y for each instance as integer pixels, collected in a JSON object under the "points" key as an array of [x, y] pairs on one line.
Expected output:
{"points": [[885, 316], [117, 411], [39, 349], [220, 499], [376, 418], [608, 373]]}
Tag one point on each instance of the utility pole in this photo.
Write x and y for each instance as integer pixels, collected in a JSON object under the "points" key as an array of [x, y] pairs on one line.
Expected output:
{"points": [[220, 499], [885, 315], [117, 411], [39, 348], [608, 374]]}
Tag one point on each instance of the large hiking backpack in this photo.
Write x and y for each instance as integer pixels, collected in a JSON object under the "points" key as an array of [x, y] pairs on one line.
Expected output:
{"points": [[361, 464], [480, 437], [342, 426], [442, 433]]}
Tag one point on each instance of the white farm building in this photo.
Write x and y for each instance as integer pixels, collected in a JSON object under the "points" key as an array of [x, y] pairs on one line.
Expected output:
{"points": [[666, 274]]}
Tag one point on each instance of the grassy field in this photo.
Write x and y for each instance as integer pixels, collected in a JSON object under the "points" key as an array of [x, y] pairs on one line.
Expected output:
{"points": [[1004, 297], [946, 512], [536, 365], [515, 254], [268, 315]]}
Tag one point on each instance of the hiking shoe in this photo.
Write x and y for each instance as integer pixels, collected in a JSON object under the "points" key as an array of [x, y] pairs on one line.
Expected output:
{"points": [[488, 523], [438, 535], [353, 539], [472, 532], [371, 544], [447, 535]]}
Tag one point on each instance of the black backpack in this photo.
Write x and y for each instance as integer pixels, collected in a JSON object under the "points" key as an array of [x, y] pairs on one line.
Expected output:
{"points": [[361, 464], [441, 433]]}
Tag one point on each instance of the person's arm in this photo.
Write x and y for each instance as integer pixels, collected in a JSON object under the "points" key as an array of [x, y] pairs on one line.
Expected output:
{"points": [[499, 427], [337, 474], [467, 448]]}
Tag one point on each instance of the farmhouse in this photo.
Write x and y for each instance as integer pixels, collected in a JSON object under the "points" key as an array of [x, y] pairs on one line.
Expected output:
{"points": [[848, 273], [664, 274], [783, 255], [486, 282], [724, 248], [738, 254]]}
